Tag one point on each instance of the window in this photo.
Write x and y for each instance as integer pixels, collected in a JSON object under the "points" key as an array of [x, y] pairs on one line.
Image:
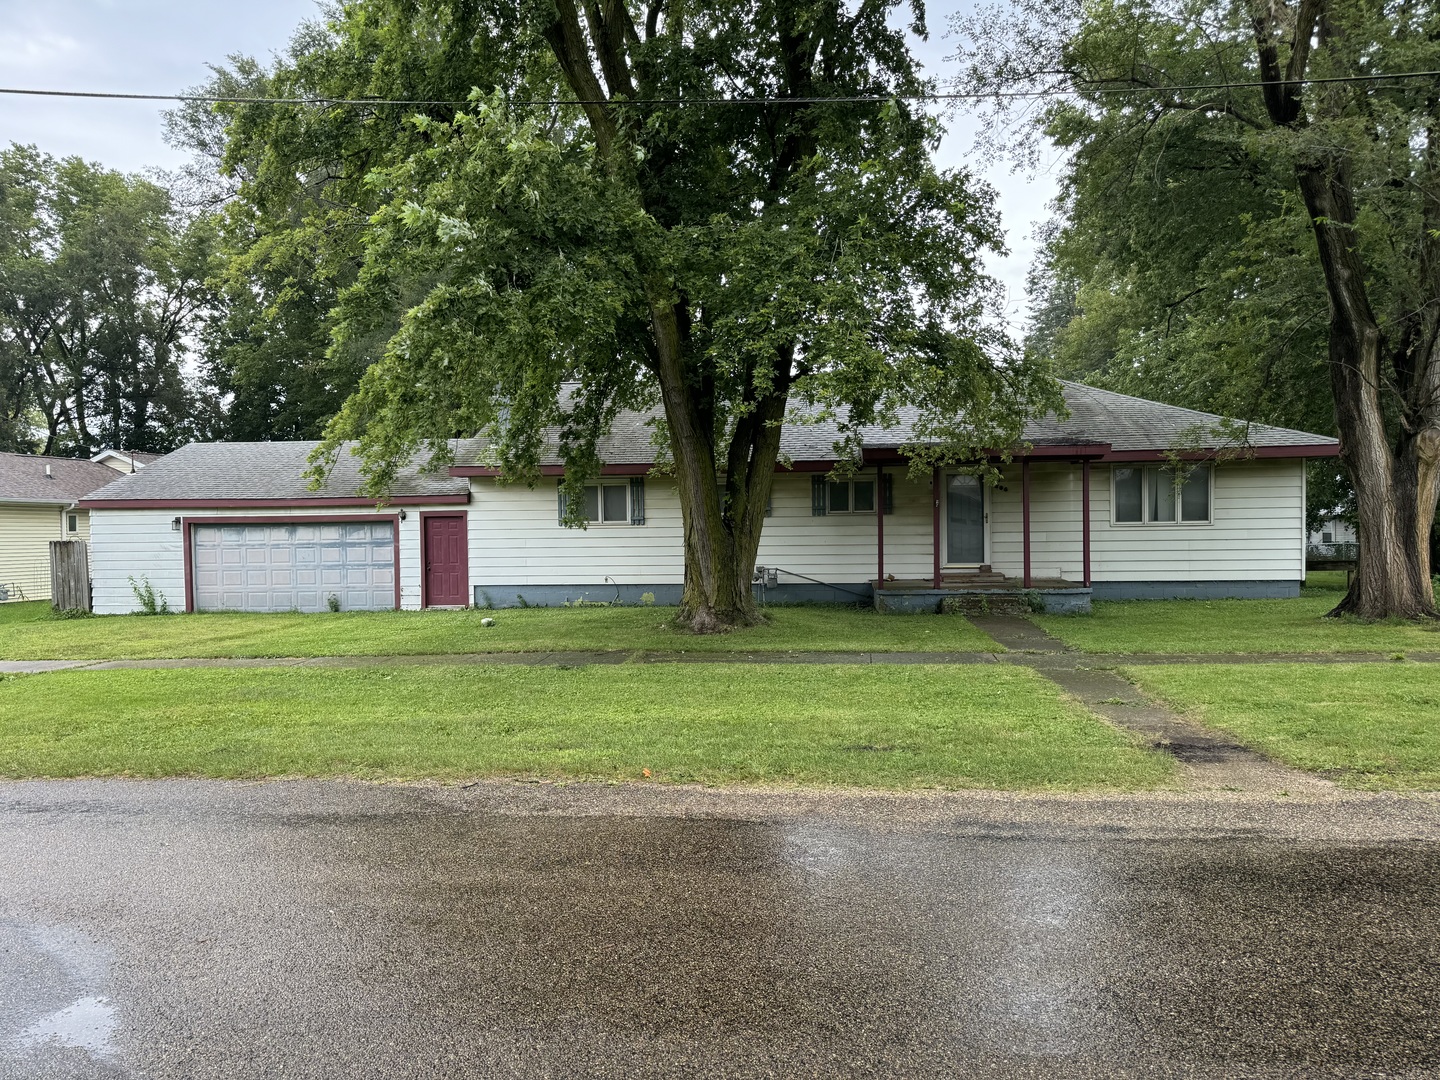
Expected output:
{"points": [[1158, 495], [1327, 538], [851, 497], [72, 522], [856, 496], [610, 502], [607, 504]]}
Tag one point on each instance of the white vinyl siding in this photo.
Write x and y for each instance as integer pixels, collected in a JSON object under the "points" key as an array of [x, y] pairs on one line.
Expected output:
{"points": [[1256, 531], [515, 538]]}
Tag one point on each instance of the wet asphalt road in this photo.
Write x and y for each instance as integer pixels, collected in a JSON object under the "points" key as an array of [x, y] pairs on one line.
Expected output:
{"points": [[192, 929]]}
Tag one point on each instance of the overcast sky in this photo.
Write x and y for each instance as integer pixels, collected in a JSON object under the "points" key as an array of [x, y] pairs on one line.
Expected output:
{"points": [[163, 46]]}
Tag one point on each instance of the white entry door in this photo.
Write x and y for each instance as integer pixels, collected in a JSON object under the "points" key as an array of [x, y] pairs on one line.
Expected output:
{"points": [[278, 567]]}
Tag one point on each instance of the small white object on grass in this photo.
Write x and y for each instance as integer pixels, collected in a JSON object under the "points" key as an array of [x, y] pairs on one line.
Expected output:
{"points": [[487, 622]]}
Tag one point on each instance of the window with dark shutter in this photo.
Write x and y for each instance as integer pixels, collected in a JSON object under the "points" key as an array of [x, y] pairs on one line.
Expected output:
{"points": [[817, 496], [637, 500], [563, 502]]}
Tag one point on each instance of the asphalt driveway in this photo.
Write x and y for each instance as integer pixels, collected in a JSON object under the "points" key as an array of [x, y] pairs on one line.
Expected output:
{"points": [[205, 929]]}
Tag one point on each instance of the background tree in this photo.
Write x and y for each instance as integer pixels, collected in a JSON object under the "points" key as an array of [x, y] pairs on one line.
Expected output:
{"points": [[100, 284], [1271, 251], [520, 266]]}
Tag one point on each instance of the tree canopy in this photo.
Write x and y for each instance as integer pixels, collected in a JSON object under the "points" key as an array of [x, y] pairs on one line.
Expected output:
{"points": [[584, 218], [100, 282], [1240, 233]]}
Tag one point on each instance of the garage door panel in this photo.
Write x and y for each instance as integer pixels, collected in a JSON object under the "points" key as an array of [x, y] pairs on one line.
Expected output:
{"points": [[279, 567]]}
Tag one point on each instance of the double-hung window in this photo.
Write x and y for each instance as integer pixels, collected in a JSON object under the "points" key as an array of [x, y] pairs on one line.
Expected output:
{"points": [[1161, 495], [851, 497], [607, 504]]}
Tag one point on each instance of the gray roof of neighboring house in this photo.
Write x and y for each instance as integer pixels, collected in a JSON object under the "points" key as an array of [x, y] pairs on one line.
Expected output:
{"points": [[23, 479], [259, 470], [1096, 417]]}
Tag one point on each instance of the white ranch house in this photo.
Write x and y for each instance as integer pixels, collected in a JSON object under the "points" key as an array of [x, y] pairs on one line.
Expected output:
{"points": [[1087, 508]]}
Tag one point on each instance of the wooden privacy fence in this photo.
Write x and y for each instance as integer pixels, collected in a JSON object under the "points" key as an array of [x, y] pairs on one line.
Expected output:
{"points": [[69, 575]]}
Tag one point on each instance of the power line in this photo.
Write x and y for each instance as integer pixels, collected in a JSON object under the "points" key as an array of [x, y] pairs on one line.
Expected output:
{"points": [[858, 99]]}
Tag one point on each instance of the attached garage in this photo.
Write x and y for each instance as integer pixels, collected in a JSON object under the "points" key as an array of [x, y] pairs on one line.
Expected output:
{"points": [[294, 566], [241, 527]]}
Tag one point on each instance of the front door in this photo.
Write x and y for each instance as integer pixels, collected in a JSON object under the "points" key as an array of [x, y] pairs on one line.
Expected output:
{"points": [[446, 561], [964, 521]]}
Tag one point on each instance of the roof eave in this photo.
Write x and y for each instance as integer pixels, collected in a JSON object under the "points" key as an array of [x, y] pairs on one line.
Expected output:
{"points": [[448, 499]]}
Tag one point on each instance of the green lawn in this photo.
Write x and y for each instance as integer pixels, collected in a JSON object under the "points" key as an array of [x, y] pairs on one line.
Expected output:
{"points": [[1234, 626], [28, 632], [1367, 725], [894, 727]]}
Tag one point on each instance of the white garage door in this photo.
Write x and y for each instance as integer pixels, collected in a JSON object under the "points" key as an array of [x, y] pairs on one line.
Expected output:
{"points": [[276, 567]]}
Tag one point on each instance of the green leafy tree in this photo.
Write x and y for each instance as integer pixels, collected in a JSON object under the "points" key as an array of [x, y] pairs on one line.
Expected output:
{"points": [[100, 284], [1251, 221], [525, 266]]}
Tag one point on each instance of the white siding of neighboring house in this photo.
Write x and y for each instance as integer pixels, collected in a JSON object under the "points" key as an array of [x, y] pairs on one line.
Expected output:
{"points": [[1256, 533], [141, 544], [25, 535]]}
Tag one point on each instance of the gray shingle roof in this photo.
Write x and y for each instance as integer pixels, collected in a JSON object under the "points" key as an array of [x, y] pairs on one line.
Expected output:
{"points": [[276, 470], [1096, 417], [23, 479], [259, 470]]}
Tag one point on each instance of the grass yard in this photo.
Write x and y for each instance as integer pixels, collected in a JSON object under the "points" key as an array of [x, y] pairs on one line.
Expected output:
{"points": [[896, 727], [1366, 725], [29, 632], [1237, 626]]}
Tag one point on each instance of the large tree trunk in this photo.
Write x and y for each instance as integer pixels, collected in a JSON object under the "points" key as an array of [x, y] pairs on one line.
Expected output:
{"points": [[1395, 486], [722, 534]]}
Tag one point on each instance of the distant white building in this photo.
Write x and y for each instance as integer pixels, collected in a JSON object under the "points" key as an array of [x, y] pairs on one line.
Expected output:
{"points": [[1333, 531]]}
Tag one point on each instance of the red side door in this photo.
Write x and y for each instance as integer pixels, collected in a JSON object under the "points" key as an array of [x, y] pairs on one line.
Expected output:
{"points": [[447, 561]]}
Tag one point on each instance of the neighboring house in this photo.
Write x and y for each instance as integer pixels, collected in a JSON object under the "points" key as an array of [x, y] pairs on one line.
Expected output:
{"points": [[38, 497], [1090, 507], [1333, 531]]}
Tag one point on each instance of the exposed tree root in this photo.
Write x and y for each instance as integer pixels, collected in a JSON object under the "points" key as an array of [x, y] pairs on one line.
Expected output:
{"points": [[707, 620]]}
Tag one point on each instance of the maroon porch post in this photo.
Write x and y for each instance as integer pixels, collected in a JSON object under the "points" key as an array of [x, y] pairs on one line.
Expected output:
{"points": [[935, 539], [1085, 521], [1025, 514], [879, 527]]}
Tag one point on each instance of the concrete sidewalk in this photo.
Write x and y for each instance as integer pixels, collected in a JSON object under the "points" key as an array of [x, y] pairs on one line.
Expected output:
{"points": [[1025, 642]]}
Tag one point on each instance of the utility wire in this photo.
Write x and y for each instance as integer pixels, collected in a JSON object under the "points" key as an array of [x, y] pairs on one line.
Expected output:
{"points": [[206, 99]]}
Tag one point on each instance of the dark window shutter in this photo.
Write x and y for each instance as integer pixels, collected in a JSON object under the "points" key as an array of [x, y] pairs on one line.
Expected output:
{"points": [[563, 501], [887, 492], [769, 504], [637, 500], [817, 495]]}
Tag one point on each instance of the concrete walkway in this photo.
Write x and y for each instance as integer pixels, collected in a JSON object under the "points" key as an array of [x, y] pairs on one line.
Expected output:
{"points": [[1208, 761]]}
